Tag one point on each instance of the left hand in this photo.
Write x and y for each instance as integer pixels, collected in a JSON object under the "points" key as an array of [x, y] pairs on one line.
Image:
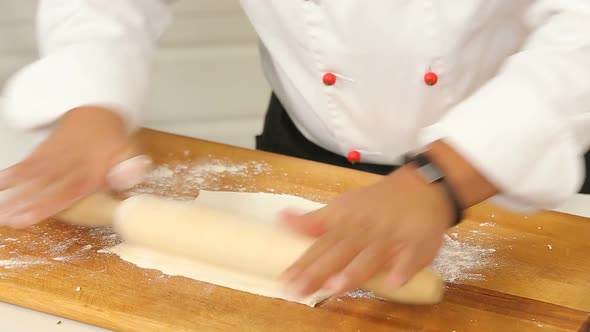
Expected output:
{"points": [[89, 150], [394, 225]]}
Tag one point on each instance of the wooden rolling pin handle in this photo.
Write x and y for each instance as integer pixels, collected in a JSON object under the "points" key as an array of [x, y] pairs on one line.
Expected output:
{"points": [[426, 287], [95, 210]]}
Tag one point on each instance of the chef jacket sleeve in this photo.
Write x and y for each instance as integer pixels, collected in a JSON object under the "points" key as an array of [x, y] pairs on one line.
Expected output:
{"points": [[92, 52], [527, 129]]}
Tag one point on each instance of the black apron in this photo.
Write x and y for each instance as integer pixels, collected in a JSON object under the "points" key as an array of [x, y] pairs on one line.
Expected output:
{"points": [[280, 135]]}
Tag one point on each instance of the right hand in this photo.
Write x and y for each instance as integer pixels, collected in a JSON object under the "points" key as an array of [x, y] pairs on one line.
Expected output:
{"points": [[84, 154]]}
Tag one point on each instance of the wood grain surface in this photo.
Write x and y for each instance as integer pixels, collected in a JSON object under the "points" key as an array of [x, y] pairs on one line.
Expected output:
{"points": [[539, 279]]}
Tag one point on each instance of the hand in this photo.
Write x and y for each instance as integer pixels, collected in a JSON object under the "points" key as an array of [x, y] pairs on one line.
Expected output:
{"points": [[77, 159], [395, 225]]}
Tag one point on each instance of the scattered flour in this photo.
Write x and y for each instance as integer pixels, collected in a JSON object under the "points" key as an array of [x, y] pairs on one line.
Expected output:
{"points": [[162, 172], [183, 180], [360, 294], [487, 224], [105, 235], [19, 263], [61, 247], [458, 261], [57, 243]]}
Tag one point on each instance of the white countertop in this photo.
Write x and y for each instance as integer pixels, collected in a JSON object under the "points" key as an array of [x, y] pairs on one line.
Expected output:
{"points": [[13, 147], [17, 319]]}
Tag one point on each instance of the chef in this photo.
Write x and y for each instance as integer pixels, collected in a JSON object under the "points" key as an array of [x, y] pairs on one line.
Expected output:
{"points": [[456, 102]]}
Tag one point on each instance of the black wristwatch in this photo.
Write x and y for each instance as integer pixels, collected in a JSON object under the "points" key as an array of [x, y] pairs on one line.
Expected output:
{"points": [[431, 173]]}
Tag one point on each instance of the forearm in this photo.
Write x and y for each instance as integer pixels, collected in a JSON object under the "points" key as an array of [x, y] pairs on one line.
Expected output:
{"points": [[92, 53], [526, 129], [470, 186]]}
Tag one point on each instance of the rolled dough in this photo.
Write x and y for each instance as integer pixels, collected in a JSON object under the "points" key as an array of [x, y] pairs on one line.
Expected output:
{"points": [[256, 207], [236, 240]]}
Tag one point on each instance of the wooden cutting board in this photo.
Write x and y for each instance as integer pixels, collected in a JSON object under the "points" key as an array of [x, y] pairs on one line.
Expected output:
{"points": [[508, 272]]}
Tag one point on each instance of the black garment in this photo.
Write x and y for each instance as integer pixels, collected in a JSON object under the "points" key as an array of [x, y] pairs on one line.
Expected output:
{"points": [[281, 136], [586, 186]]}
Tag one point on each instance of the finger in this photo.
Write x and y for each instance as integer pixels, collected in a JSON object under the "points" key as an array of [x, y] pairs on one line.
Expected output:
{"points": [[129, 173], [127, 151], [58, 195], [363, 267], [312, 253], [13, 175], [404, 267], [311, 224], [317, 270], [23, 219], [24, 201], [8, 212], [20, 197], [5, 178]]}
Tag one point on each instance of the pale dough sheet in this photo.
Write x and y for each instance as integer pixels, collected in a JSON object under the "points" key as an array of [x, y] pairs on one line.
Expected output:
{"points": [[261, 207]]}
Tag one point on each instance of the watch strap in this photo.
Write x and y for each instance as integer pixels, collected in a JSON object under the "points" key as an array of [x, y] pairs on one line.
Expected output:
{"points": [[433, 174]]}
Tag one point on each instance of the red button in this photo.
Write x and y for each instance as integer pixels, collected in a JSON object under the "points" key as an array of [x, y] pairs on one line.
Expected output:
{"points": [[430, 78], [329, 79], [354, 156]]}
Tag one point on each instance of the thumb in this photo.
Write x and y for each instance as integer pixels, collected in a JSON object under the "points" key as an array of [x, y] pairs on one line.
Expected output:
{"points": [[312, 224], [129, 170]]}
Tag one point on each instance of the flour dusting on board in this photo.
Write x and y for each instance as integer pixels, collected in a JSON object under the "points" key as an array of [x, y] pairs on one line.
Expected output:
{"points": [[22, 262], [57, 244], [459, 261], [360, 294], [183, 180]]}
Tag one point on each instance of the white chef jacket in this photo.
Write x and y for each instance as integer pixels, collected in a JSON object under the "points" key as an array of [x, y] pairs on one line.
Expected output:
{"points": [[513, 90]]}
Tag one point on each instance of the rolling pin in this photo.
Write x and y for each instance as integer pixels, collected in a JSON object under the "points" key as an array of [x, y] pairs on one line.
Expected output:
{"points": [[187, 229]]}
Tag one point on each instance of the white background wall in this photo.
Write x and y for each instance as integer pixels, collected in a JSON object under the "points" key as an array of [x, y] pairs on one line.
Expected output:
{"points": [[208, 83]]}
